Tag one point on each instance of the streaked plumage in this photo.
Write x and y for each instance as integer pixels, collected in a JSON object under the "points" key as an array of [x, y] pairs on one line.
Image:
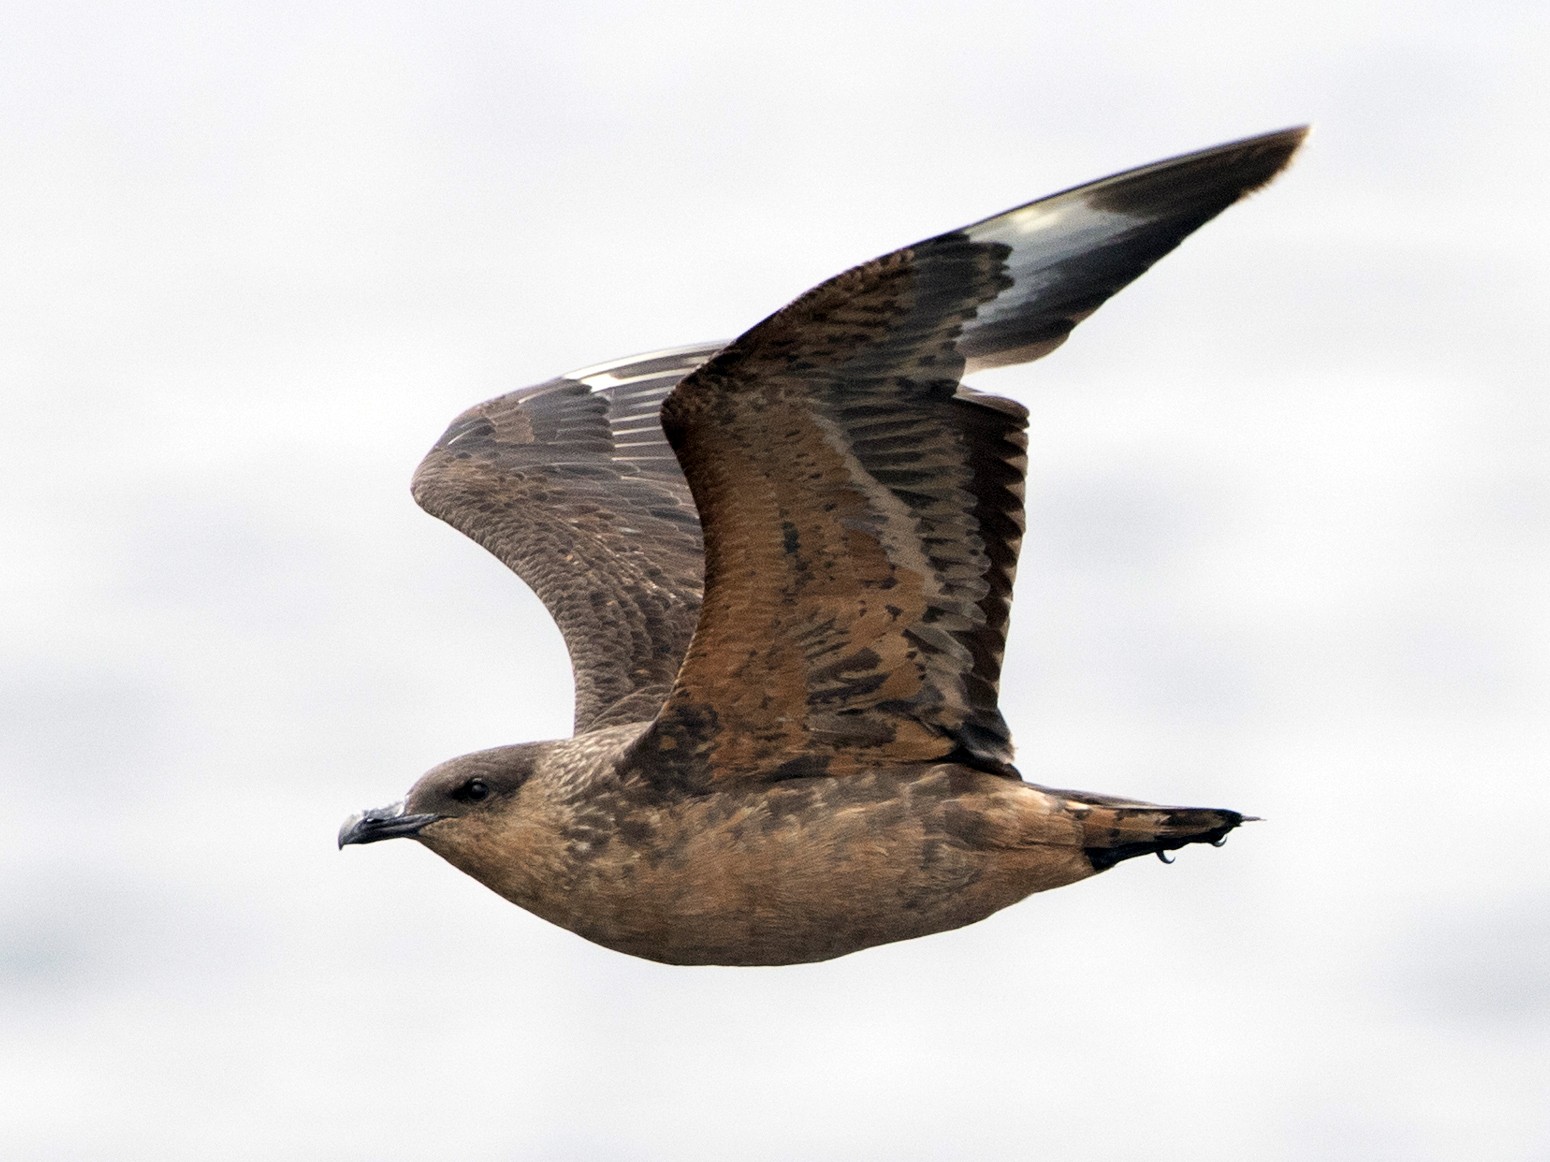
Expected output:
{"points": [[805, 756]]}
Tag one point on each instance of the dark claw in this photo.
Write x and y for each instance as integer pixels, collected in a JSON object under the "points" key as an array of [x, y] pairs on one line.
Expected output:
{"points": [[1165, 857]]}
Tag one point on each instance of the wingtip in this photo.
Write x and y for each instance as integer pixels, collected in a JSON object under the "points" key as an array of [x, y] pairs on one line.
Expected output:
{"points": [[1278, 148], [1190, 189], [1292, 136], [1256, 160]]}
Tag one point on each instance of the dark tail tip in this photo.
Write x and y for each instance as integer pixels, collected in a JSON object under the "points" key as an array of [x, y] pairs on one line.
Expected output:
{"points": [[1183, 828]]}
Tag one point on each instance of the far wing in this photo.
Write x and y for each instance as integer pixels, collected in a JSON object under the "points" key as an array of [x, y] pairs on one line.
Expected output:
{"points": [[863, 512], [572, 484]]}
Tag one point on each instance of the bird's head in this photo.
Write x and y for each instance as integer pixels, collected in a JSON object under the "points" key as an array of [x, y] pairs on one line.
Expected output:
{"points": [[458, 805]]}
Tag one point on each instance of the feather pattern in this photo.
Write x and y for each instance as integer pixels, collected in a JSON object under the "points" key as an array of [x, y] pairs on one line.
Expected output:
{"points": [[572, 484], [861, 507], [863, 512], [809, 758]]}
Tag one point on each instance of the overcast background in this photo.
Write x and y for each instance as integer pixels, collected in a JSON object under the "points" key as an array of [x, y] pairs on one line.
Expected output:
{"points": [[1289, 529]]}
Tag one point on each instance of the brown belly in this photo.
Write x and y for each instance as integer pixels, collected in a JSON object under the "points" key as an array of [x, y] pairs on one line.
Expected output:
{"points": [[815, 868]]}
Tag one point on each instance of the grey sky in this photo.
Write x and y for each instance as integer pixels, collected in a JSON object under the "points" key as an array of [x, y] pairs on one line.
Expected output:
{"points": [[1289, 533]]}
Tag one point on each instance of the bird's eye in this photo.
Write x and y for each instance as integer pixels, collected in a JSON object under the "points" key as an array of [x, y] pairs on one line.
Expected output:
{"points": [[472, 791]]}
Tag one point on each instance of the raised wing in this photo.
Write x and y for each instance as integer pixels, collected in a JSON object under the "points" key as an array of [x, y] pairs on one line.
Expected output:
{"points": [[572, 484], [863, 512], [1069, 252]]}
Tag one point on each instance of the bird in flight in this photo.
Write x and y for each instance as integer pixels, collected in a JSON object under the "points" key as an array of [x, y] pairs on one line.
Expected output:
{"points": [[783, 568]]}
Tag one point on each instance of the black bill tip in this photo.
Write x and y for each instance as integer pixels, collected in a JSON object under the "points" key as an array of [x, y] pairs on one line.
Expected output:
{"points": [[382, 823]]}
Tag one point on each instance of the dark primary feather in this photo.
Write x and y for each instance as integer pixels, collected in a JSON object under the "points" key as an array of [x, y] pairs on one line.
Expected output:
{"points": [[1070, 251], [573, 486]]}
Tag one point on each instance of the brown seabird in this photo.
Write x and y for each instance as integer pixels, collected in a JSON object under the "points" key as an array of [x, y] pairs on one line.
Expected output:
{"points": [[783, 567]]}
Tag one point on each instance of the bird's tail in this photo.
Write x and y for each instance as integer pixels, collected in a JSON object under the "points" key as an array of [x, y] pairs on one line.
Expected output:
{"points": [[1119, 829]]}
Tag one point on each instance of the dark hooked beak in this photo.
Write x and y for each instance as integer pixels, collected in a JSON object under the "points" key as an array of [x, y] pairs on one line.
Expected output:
{"points": [[382, 823]]}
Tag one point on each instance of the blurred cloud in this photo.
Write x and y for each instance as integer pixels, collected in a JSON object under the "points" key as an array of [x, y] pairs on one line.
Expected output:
{"points": [[1481, 966]]}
